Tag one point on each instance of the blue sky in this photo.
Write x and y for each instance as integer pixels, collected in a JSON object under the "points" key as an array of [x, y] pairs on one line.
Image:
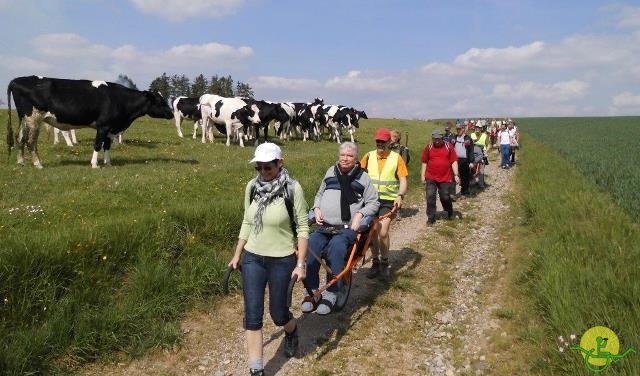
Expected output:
{"points": [[406, 59]]}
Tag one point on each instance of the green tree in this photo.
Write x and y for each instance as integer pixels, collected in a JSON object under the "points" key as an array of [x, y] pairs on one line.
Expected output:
{"points": [[124, 80], [199, 86], [214, 85], [243, 90], [162, 85], [226, 86], [180, 86]]}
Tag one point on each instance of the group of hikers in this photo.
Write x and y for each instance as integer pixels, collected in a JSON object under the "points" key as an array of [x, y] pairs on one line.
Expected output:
{"points": [[352, 190]]}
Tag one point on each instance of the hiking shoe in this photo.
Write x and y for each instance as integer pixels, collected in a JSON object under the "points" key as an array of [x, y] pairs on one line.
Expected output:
{"points": [[375, 269], [291, 343], [256, 372], [309, 304], [431, 221], [326, 303], [450, 215]]}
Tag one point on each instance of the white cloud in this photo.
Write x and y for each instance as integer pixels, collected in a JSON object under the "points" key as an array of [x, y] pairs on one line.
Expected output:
{"points": [[500, 58], [625, 103], [357, 81], [73, 56], [560, 91], [68, 45], [179, 10], [629, 18], [273, 82], [19, 65]]}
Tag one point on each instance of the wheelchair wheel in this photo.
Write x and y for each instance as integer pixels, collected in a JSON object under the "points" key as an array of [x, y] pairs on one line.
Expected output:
{"points": [[343, 292]]}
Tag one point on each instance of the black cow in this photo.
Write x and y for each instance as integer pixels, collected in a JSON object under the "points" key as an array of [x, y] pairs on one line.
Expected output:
{"points": [[107, 107]]}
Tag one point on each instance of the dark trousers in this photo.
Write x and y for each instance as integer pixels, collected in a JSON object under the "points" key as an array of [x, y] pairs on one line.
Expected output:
{"points": [[465, 175], [334, 247], [258, 272], [443, 189]]}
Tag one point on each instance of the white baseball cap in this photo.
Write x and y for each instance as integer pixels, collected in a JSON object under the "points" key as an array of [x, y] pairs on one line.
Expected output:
{"points": [[267, 152]]}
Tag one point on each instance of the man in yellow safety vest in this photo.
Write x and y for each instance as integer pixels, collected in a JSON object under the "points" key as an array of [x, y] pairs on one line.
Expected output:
{"points": [[388, 173]]}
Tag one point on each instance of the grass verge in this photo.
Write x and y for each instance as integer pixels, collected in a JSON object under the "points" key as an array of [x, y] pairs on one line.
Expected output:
{"points": [[581, 254]]}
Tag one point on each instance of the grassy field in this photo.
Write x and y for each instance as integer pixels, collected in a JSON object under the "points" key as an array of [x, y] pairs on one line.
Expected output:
{"points": [[580, 250], [604, 149], [96, 262]]}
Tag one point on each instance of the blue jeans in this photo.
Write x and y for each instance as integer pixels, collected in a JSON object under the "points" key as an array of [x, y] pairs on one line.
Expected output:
{"points": [[257, 272], [505, 150], [334, 248]]}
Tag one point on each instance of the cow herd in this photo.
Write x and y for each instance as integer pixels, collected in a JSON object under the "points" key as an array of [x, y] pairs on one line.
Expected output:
{"points": [[111, 108], [244, 118]]}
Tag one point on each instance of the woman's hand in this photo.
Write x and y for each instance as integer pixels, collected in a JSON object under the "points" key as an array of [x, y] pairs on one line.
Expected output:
{"points": [[301, 272], [234, 262]]}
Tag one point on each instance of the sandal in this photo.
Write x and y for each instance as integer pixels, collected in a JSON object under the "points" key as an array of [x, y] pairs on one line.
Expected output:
{"points": [[326, 304], [309, 304]]}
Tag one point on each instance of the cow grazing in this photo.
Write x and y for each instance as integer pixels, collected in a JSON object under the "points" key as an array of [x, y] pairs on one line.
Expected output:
{"points": [[107, 107]]}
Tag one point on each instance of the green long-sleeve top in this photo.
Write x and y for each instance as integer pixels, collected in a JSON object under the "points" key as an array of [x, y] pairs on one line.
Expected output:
{"points": [[276, 237]]}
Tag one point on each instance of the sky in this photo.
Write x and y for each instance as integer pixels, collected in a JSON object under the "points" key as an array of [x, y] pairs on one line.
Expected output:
{"points": [[392, 58]]}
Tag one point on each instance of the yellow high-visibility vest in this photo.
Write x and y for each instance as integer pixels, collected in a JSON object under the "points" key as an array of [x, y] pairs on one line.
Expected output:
{"points": [[385, 182], [482, 140]]}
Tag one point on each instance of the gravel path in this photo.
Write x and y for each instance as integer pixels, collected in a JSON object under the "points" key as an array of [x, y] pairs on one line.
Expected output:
{"points": [[452, 340]]}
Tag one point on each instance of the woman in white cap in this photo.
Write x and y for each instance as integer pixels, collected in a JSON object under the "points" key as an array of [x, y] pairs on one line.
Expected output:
{"points": [[275, 221]]}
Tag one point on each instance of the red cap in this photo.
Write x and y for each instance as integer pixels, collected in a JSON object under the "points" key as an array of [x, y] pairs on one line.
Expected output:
{"points": [[383, 134]]}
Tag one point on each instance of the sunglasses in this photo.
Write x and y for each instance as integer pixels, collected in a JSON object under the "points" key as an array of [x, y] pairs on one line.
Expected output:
{"points": [[381, 142], [265, 167]]}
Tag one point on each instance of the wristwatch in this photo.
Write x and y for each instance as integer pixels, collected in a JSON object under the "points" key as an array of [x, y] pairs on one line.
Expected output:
{"points": [[401, 195], [301, 265]]}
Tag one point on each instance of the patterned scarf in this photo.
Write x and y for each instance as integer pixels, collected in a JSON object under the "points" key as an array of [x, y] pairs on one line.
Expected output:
{"points": [[266, 191]]}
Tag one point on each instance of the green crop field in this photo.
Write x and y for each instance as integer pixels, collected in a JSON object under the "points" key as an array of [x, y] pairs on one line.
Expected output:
{"points": [[604, 149], [581, 248], [98, 261]]}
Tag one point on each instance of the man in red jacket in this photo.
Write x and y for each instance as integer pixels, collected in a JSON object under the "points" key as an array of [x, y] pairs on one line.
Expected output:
{"points": [[438, 160]]}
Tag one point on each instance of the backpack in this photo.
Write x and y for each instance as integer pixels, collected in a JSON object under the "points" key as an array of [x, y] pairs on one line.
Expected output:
{"points": [[446, 145], [287, 195], [404, 153]]}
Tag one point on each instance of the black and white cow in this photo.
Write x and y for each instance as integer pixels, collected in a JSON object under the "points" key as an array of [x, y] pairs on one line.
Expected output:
{"points": [[267, 111], [69, 136], [285, 129], [340, 117], [309, 118], [234, 113], [107, 107], [188, 108]]}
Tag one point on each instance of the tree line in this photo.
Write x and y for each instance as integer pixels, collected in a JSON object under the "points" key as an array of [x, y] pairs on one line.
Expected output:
{"points": [[180, 85]]}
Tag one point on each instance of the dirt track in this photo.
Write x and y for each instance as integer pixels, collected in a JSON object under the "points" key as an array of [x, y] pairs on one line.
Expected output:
{"points": [[433, 317]]}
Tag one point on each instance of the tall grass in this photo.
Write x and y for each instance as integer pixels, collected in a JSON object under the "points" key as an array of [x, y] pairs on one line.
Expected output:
{"points": [[94, 262], [584, 251], [604, 149]]}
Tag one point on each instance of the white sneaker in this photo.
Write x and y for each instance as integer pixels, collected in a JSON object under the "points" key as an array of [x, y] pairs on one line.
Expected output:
{"points": [[327, 302], [307, 306]]}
